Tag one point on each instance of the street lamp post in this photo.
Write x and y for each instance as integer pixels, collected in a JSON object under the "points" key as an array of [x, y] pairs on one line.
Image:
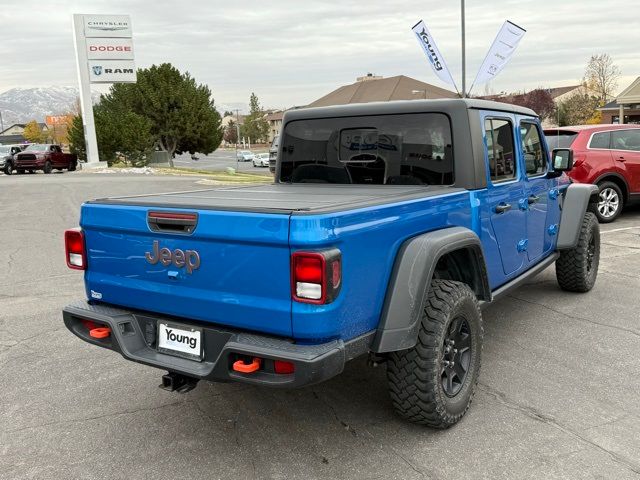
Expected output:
{"points": [[464, 60], [237, 137]]}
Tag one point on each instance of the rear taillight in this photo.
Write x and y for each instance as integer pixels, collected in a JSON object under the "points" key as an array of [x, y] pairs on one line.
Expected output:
{"points": [[316, 277], [74, 249], [283, 368]]}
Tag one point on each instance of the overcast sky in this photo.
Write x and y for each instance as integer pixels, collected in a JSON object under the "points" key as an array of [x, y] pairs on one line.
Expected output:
{"points": [[290, 52]]}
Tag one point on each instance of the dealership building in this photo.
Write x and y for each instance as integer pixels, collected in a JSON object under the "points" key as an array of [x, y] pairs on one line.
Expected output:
{"points": [[625, 106]]}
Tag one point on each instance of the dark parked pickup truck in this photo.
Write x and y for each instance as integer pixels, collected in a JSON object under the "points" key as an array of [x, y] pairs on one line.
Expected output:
{"points": [[389, 228], [45, 157]]}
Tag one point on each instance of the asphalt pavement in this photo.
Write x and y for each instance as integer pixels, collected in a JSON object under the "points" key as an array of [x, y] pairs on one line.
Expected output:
{"points": [[559, 391]]}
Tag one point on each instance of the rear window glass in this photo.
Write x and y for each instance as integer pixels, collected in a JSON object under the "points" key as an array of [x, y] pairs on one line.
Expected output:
{"points": [[559, 138], [500, 147], [600, 140], [407, 149]]}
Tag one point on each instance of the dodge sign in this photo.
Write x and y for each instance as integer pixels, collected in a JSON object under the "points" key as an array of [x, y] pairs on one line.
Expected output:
{"points": [[110, 48]]}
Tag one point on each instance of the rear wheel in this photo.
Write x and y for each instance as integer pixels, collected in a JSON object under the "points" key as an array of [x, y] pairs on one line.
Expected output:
{"points": [[577, 269], [433, 383], [610, 202], [47, 167], [72, 166]]}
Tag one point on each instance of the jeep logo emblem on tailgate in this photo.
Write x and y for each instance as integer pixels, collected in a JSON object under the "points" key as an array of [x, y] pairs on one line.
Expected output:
{"points": [[180, 258]]}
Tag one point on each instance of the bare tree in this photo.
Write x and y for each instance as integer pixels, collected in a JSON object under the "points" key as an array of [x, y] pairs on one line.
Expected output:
{"points": [[601, 76]]}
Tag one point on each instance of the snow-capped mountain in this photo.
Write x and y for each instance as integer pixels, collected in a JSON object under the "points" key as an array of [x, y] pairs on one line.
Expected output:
{"points": [[21, 105]]}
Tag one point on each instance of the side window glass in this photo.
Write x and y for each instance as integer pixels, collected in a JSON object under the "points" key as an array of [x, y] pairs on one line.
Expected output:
{"points": [[625, 139], [534, 158], [500, 149], [600, 140]]}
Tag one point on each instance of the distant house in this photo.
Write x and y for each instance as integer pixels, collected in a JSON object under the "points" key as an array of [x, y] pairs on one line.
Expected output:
{"points": [[625, 106], [560, 94], [15, 133], [275, 123], [371, 88]]}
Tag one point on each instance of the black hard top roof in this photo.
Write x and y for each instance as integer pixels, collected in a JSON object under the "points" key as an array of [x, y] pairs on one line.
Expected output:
{"points": [[405, 106]]}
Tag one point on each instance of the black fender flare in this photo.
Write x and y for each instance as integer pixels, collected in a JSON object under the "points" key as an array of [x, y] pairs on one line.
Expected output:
{"points": [[574, 205], [412, 272]]}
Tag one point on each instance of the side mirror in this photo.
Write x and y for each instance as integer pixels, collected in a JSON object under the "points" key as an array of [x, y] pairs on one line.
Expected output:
{"points": [[562, 159]]}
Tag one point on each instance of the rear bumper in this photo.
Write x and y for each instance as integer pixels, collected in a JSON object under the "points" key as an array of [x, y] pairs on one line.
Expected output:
{"points": [[133, 335]]}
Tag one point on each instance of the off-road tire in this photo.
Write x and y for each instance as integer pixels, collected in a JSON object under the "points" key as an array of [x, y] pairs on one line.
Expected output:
{"points": [[47, 167], [8, 168], [577, 269], [415, 376], [72, 167], [594, 207]]}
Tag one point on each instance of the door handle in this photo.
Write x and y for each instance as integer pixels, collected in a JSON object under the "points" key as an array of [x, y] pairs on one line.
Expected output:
{"points": [[503, 207], [621, 159], [532, 199]]}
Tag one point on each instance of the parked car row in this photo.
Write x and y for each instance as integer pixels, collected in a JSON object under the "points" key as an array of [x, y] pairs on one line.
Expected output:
{"points": [[607, 156], [258, 159], [36, 156]]}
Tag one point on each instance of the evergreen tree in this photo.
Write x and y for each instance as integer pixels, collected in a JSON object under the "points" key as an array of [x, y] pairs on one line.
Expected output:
{"points": [[255, 127]]}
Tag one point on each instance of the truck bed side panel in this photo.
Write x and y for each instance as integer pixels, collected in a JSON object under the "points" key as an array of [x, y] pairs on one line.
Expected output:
{"points": [[369, 240]]}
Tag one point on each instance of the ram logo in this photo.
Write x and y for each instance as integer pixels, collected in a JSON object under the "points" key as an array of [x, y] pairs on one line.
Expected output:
{"points": [[97, 70]]}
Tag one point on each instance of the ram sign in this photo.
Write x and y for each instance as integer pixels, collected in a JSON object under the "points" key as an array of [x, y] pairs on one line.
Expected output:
{"points": [[112, 71], [109, 48]]}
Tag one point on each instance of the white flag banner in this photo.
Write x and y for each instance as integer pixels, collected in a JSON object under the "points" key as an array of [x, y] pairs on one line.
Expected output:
{"points": [[436, 60], [500, 52]]}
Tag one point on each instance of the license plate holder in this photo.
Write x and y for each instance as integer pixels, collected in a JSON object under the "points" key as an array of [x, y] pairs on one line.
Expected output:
{"points": [[180, 340]]}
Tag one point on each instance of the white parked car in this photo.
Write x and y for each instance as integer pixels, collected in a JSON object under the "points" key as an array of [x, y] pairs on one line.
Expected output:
{"points": [[245, 156], [261, 160]]}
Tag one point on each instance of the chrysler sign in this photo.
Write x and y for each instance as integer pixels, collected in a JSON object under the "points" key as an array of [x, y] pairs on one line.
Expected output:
{"points": [[107, 26], [109, 48]]}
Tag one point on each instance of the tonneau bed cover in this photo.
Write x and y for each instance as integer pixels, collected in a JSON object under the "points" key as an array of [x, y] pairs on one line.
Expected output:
{"points": [[283, 198]]}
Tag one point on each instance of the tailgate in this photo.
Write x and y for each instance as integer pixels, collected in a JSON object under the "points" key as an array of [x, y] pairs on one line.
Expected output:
{"points": [[231, 269]]}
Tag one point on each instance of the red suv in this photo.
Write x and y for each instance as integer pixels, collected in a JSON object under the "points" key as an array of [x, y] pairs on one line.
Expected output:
{"points": [[605, 155]]}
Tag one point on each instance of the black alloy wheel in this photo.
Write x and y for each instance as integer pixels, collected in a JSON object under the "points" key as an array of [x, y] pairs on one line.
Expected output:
{"points": [[456, 357]]}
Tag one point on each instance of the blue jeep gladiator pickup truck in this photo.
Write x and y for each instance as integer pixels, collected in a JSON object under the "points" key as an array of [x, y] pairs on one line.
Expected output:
{"points": [[389, 227]]}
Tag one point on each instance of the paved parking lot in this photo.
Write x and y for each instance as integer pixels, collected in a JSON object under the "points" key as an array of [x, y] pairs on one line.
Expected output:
{"points": [[220, 160], [559, 393]]}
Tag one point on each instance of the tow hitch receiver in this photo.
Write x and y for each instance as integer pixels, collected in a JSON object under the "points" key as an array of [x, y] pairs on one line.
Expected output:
{"points": [[174, 382]]}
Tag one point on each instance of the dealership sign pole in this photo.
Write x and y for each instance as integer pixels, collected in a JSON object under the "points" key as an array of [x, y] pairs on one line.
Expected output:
{"points": [[104, 54]]}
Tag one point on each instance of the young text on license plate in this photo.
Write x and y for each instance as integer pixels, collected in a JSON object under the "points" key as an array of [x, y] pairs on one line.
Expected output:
{"points": [[180, 340]]}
